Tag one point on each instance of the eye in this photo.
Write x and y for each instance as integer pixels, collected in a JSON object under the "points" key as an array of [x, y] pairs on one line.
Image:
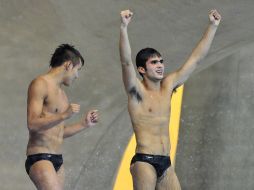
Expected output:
{"points": [[157, 61], [154, 61]]}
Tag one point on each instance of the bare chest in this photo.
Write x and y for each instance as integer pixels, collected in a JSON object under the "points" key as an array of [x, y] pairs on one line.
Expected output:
{"points": [[154, 105], [56, 101]]}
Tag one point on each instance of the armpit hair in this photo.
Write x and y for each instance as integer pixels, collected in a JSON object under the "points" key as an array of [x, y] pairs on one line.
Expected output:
{"points": [[135, 94], [175, 89]]}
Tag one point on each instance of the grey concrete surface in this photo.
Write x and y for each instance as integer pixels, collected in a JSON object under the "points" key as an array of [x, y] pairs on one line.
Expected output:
{"points": [[31, 30], [216, 149]]}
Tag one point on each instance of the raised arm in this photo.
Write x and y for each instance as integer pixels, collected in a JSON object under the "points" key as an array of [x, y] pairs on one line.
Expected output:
{"points": [[36, 120], [201, 50], [129, 75]]}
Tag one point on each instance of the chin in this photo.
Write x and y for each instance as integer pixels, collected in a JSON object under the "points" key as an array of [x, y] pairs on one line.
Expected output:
{"points": [[157, 79], [160, 77]]}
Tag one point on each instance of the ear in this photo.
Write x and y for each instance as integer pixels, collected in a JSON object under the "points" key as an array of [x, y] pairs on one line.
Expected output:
{"points": [[141, 70], [68, 65]]}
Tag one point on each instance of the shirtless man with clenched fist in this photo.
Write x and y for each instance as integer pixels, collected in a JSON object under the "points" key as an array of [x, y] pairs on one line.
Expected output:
{"points": [[47, 109]]}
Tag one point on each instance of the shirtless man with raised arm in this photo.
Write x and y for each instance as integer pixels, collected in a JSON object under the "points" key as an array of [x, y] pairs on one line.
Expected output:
{"points": [[149, 105], [47, 109]]}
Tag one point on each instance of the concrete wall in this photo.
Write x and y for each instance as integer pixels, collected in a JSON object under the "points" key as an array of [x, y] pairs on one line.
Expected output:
{"points": [[216, 149]]}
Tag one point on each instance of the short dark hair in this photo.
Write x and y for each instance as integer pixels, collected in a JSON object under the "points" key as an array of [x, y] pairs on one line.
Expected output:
{"points": [[66, 52], [143, 55]]}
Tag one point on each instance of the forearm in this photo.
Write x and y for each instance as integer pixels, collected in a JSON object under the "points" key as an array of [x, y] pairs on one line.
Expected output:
{"points": [[205, 43], [45, 122], [197, 55], [124, 46], [73, 129]]}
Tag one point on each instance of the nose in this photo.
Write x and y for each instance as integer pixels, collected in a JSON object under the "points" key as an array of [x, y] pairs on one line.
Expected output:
{"points": [[160, 65], [76, 75]]}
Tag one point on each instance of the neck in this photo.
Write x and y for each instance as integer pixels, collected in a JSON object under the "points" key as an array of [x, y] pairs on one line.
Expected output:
{"points": [[56, 75], [153, 85]]}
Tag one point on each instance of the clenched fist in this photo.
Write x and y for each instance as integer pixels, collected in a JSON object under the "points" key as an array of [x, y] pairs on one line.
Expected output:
{"points": [[214, 17], [90, 119], [72, 109], [126, 16]]}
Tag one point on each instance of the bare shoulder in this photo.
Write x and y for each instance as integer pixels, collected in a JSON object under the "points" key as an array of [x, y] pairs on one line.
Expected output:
{"points": [[169, 80], [38, 86]]}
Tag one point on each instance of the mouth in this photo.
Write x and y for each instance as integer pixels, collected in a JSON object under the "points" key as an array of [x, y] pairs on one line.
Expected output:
{"points": [[160, 72]]}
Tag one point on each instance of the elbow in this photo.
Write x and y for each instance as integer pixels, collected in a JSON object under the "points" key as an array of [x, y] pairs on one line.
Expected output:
{"points": [[126, 63], [202, 56], [32, 127]]}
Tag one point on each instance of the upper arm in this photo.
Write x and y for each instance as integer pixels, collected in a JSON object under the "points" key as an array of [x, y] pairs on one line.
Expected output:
{"points": [[37, 92], [178, 77], [130, 79], [198, 53]]}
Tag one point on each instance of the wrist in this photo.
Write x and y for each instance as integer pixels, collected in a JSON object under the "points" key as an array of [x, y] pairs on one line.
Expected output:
{"points": [[83, 124], [213, 25], [63, 116], [123, 26]]}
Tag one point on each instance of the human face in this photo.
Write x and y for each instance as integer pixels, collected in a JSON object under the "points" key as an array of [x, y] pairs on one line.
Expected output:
{"points": [[155, 68], [72, 73]]}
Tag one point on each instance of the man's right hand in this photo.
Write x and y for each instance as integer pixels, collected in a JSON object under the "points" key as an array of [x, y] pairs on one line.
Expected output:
{"points": [[72, 109], [126, 16]]}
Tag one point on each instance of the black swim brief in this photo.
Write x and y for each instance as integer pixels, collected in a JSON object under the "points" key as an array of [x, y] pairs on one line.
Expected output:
{"points": [[160, 163], [55, 159]]}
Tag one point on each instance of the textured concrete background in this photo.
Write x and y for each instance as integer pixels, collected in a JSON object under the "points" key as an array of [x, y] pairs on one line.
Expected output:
{"points": [[215, 151]]}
